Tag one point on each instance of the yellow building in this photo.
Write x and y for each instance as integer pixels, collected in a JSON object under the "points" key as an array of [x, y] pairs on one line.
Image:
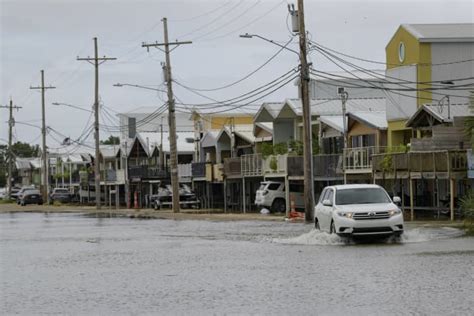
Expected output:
{"points": [[423, 62]]}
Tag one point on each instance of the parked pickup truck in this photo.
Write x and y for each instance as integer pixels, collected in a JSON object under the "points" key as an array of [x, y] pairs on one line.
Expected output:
{"points": [[187, 198], [271, 194]]}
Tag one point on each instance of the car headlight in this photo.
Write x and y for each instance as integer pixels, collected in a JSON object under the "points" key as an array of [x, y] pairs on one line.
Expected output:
{"points": [[345, 214], [394, 212]]}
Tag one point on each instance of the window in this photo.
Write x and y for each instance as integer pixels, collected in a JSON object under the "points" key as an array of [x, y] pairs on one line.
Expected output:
{"points": [[329, 195], [321, 197], [361, 196], [401, 52], [363, 140], [273, 186]]}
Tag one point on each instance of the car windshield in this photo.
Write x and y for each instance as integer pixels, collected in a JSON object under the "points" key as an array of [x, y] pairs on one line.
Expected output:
{"points": [[262, 186], [361, 196], [61, 191], [32, 192]]}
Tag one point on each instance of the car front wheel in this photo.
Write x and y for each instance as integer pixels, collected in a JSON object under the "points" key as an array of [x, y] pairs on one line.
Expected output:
{"points": [[316, 224]]}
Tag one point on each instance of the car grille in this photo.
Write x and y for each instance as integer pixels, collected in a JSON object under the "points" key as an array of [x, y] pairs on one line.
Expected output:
{"points": [[372, 230], [371, 215]]}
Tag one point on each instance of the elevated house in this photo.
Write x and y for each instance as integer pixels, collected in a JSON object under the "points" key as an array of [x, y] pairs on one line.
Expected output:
{"points": [[429, 77], [433, 174]]}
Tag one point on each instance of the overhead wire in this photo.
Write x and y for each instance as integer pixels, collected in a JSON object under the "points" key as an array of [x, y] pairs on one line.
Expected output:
{"points": [[241, 97], [246, 25], [245, 77]]}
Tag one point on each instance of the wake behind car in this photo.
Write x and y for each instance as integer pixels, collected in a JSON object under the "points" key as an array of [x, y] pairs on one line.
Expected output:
{"points": [[31, 196], [358, 210]]}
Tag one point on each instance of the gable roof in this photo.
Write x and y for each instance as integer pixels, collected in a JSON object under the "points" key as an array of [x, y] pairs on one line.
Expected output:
{"points": [[210, 138], [333, 121], [374, 119], [109, 151], [432, 33], [439, 113], [182, 144]]}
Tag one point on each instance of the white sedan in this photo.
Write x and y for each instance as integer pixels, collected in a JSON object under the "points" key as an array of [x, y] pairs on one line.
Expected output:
{"points": [[357, 210]]}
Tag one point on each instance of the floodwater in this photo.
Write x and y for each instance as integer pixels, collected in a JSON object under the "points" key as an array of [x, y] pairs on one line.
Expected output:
{"points": [[71, 264]]}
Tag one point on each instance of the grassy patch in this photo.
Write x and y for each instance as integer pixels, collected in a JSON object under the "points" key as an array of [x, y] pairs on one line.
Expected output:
{"points": [[7, 201]]}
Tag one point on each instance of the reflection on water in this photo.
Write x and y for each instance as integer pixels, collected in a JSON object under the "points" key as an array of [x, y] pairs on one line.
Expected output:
{"points": [[71, 264]]}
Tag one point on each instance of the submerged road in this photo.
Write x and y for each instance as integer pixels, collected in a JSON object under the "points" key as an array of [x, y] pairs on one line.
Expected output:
{"points": [[78, 265]]}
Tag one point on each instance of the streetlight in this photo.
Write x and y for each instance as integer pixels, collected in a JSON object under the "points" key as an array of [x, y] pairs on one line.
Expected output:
{"points": [[247, 35], [306, 109], [137, 86], [72, 106]]}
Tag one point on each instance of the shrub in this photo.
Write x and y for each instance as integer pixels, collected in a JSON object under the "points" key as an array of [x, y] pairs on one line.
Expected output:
{"points": [[467, 207]]}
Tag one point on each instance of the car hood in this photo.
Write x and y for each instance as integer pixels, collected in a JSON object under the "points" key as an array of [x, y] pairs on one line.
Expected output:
{"points": [[373, 207]]}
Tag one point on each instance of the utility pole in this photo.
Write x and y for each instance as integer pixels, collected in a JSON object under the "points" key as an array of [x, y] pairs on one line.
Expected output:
{"points": [[162, 154], [344, 96], [11, 123], [171, 114], [43, 132], [96, 61], [307, 133]]}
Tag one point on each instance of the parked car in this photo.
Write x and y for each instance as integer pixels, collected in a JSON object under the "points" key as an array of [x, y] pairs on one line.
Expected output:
{"points": [[31, 196], [187, 198], [14, 193], [271, 194], [17, 195], [3, 193], [61, 195], [358, 209]]}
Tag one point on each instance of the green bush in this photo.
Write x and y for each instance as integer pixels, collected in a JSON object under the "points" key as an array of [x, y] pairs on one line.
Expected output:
{"points": [[273, 163], [467, 206], [280, 149]]}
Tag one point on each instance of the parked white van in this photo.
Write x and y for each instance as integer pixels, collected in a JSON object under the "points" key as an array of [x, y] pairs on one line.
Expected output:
{"points": [[271, 194]]}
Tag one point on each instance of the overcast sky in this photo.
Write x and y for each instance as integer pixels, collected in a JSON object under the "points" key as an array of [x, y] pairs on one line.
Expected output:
{"points": [[49, 35]]}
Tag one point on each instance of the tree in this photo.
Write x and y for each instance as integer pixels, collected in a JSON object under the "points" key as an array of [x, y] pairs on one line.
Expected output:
{"points": [[25, 150], [112, 140]]}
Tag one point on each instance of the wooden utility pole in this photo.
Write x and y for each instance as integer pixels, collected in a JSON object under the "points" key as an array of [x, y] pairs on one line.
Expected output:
{"points": [[96, 61], [44, 190], [307, 133], [11, 123], [171, 115]]}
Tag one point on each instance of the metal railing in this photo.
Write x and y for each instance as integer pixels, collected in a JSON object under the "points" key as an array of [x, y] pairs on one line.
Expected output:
{"points": [[360, 158], [421, 161], [251, 165], [275, 164]]}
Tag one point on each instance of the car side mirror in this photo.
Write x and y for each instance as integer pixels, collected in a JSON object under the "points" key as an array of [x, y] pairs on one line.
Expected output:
{"points": [[397, 200], [327, 202]]}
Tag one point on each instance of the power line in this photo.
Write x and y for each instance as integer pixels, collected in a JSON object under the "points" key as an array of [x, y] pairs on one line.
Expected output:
{"points": [[241, 97], [213, 20], [246, 76], [246, 25], [202, 14], [228, 22], [384, 63]]}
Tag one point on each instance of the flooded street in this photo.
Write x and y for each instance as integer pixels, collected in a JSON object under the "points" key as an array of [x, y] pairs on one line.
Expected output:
{"points": [[71, 264]]}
